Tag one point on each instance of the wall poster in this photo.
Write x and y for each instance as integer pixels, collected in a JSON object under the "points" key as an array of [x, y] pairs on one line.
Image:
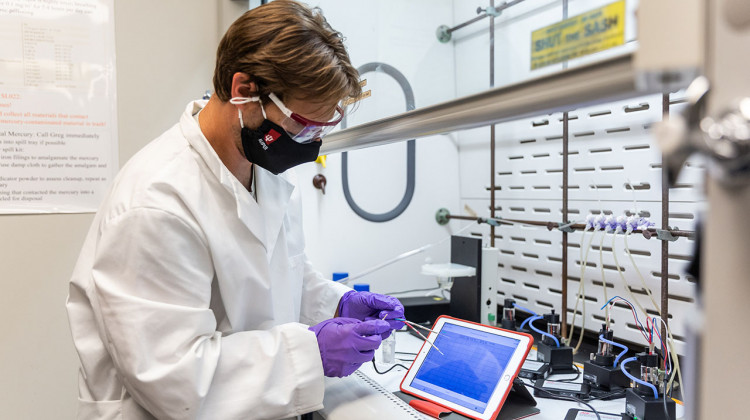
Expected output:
{"points": [[58, 120]]}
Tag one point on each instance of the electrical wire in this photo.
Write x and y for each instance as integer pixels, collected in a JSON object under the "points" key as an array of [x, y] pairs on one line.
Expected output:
{"points": [[389, 369], [531, 325], [625, 349], [666, 411], [675, 361], [423, 337], [636, 380], [562, 397], [625, 282], [668, 353], [677, 372], [573, 379], [664, 347], [642, 329], [620, 393], [670, 345]]}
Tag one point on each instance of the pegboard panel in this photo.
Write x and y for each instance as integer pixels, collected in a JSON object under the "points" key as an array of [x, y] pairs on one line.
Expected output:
{"points": [[612, 152], [614, 168], [529, 159]]}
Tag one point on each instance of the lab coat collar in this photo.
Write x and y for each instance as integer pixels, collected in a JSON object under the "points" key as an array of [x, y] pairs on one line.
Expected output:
{"points": [[263, 218], [274, 193]]}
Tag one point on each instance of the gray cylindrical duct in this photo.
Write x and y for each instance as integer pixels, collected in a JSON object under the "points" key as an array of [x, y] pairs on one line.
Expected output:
{"points": [[410, 152]]}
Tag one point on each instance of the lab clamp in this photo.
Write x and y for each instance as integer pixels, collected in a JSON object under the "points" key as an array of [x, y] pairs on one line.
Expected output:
{"points": [[647, 399], [725, 139], [601, 372]]}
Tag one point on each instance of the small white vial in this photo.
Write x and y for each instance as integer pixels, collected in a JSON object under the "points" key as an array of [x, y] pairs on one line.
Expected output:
{"points": [[388, 349]]}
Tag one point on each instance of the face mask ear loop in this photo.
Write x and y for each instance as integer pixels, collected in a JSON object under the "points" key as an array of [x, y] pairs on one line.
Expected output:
{"points": [[241, 101], [263, 110]]}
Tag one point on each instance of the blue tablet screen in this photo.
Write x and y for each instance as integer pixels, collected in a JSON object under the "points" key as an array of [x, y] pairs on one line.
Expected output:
{"points": [[471, 368]]}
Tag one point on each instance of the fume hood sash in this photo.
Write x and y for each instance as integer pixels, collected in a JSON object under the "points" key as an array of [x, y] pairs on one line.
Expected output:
{"points": [[604, 81]]}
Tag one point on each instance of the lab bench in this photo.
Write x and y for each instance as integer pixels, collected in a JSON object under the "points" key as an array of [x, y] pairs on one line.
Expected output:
{"points": [[367, 395]]}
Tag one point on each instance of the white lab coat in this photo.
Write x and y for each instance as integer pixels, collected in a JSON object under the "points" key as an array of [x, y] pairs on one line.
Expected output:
{"points": [[189, 297]]}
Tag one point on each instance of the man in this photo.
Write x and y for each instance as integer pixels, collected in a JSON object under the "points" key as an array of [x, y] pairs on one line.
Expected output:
{"points": [[192, 296]]}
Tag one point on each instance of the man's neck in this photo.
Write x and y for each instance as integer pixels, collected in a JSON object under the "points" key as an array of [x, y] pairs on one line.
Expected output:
{"points": [[219, 123]]}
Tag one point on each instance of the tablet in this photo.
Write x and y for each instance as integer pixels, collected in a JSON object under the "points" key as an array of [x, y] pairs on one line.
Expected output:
{"points": [[475, 371]]}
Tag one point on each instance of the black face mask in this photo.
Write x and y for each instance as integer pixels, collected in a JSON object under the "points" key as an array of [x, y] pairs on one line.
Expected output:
{"points": [[270, 147]]}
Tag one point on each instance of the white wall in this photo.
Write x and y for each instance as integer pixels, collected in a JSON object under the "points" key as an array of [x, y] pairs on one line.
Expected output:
{"points": [[401, 34], [165, 53]]}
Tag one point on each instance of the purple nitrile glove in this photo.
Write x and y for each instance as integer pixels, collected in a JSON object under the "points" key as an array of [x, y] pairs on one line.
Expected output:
{"points": [[367, 305], [346, 343]]}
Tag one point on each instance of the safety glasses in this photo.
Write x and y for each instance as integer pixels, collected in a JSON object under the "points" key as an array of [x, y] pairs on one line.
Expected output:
{"points": [[300, 128]]}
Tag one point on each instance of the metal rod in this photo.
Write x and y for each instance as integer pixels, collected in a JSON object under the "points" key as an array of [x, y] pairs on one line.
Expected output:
{"points": [[467, 23], [664, 225], [492, 127], [564, 297], [483, 15], [564, 303], [604, 81], [647, 233], [474, 219]]}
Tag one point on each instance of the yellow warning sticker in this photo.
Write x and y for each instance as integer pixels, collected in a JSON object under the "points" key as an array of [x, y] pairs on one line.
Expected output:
{"points": [[581, 35]]}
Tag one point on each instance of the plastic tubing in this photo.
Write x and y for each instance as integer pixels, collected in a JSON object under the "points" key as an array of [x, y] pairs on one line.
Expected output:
{"points": [[636, 380], [517, 306], [581, 292], [525, 321], [624, 348], [601, 264], [531, 325]]}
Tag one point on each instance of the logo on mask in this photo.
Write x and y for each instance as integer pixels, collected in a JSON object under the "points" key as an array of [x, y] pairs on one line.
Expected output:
{"points": [[271, 136]]}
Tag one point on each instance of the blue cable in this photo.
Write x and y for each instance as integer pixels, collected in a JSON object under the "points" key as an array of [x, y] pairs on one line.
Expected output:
{"points": [[515, 305], [624, 348], [636, 380], [531, 325]]}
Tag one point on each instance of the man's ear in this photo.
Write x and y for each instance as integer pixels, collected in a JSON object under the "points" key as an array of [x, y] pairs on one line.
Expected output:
{"points": [[242, 86]]}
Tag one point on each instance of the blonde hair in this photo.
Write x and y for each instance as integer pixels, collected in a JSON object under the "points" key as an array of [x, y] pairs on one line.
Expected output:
{"points": [[288, 49]]}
